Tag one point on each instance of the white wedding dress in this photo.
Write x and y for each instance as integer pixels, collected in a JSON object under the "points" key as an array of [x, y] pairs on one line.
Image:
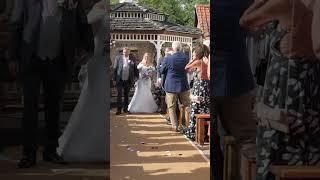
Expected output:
{"points": [[142, 100], [86, 136]]}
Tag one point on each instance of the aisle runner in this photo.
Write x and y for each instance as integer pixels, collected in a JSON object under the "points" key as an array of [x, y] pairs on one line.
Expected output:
{"points": [[144, 148]]}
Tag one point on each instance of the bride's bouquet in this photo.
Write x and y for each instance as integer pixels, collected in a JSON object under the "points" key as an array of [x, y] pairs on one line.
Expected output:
{"points": [[148, 73]]}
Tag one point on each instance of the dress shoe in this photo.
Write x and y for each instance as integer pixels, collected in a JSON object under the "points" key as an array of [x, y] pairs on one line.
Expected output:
{"points": [[53, 157], [27, 162]]}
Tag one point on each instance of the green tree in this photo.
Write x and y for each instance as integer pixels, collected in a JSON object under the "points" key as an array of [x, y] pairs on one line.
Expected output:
{"points": [[179, 11], [112, 1]]}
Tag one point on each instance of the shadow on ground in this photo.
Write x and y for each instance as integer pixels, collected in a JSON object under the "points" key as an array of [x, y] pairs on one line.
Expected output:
{"points": [[144, 148]]}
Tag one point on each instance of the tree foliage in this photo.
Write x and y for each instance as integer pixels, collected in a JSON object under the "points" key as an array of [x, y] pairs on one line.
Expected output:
{"points": [[179, 11]]}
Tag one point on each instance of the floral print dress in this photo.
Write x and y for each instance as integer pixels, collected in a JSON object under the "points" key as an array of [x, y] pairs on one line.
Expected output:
{"points": [[291, 86], [201, 89]]}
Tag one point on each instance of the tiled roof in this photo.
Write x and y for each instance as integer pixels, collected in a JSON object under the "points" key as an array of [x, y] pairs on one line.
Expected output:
{"points": [[150, 25], [132, 24], [132, 7], [145, 24], [203, 18]]}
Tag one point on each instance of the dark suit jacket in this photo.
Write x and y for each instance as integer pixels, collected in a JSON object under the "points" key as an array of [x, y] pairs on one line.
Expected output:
{"points": [[162, 76], [24, 28], [231, 74], [173, 68], [118, 69]]}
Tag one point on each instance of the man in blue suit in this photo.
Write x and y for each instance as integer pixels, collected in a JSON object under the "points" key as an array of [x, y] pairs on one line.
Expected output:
{"points": [[176, 84]]}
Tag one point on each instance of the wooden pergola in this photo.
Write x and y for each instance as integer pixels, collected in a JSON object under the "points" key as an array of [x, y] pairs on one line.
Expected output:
{"points": [[131, 22]]}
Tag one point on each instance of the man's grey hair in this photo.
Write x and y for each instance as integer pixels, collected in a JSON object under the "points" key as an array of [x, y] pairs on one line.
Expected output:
{"points": [[177, 46], [126, 48]]}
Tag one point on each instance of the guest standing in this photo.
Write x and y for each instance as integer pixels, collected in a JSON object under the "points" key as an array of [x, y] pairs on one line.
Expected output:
{"points": [[45, 36], [176, 83], [124, 73], [232, 83], [200, 94], [288, 126]]}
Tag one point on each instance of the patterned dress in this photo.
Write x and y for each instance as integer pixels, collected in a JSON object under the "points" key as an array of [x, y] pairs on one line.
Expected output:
{"points": [[200, 88], [291, 87]]}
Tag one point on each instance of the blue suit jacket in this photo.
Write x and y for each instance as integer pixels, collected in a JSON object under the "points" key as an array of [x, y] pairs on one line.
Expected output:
{"points": [[173, 68]]}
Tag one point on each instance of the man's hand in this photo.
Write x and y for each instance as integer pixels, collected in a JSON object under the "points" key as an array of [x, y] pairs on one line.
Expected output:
{"points": [[13, 69]]}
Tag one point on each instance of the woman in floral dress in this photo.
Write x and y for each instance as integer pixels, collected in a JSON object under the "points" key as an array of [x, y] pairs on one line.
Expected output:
{"points": [[288, 127], [200, 95]]}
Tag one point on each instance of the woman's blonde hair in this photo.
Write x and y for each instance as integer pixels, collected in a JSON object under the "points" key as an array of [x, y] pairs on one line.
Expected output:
{"points": [[145, 60]]}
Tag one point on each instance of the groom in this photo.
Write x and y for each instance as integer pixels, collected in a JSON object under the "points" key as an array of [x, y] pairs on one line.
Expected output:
{"points": [[124, 74], [45, 36]]}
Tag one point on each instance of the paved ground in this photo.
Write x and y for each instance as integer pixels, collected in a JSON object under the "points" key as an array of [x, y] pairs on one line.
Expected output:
{"points": [[204, 148], [49, 171], [144, 148]]}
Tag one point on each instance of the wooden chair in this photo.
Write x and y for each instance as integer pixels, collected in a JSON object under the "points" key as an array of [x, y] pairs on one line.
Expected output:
{"points": [[248, 159], [201, 121], [296, 172], [228, 154], [209, 129], [248, 162]]}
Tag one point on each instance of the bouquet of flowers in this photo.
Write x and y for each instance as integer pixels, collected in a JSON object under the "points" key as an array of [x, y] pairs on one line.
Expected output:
{"points": [[148, 73]]}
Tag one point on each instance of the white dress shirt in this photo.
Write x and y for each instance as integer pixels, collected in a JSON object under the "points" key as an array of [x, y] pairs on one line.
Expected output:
{"points": [[125, 68]]}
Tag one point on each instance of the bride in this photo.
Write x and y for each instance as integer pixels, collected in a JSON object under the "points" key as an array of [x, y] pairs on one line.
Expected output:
{"points": [[85, 136], [142, 100]]}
